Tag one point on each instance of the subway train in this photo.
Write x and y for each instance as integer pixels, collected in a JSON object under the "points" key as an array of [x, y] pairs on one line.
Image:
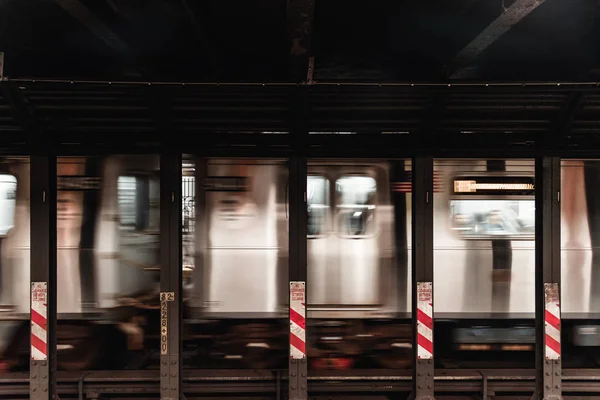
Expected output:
{"points": [[235, 254]]}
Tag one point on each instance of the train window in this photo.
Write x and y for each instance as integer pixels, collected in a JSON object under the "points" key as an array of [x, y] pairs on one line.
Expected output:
{"points": [[8, 196], [355, 205], [134, 202], [317, 199], [188, 198], [478, 219]]}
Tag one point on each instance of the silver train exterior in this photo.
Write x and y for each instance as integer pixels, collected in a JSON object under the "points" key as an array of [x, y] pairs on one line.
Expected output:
{"points": [[244, 253], [236, 269]]}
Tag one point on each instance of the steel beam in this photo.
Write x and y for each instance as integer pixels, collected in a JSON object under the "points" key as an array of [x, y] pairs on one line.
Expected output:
{"points": [[547, 278], [300, 15], [42, 382], [201, 37], [21, 109], [85, 16], [572, 106], [170, 277], [298, 361], [509, 18], [422, 278]]}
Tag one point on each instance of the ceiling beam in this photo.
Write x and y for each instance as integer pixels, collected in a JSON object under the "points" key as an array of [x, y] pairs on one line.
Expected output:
{"points": [[572, 106], [86, 17], [201, 37], [300, 14], [462, 63]]}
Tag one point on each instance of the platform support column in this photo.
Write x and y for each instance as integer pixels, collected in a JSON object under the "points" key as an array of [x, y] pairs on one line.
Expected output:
{"points": [[170, 277], [42, 378], [298, 360], [547, 278], [422, 278]]}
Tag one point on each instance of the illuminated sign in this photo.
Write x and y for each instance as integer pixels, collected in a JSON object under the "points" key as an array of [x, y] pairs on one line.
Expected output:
{"points": [[499, 185]]}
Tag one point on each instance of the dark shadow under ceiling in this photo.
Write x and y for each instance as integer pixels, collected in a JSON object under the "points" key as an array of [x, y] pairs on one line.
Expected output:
{"points": [[229, 40]]}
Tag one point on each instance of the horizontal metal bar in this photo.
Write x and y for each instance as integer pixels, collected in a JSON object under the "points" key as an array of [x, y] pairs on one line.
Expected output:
{"points": [[315, 84], [250, 375], [253, 382]]}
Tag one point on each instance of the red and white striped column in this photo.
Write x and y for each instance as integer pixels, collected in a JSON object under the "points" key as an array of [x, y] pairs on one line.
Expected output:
{"points": [[39, 322], [297, 320], [552, 321], [424, 320]]}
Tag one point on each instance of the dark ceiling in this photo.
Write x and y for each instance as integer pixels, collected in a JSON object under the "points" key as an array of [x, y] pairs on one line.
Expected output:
{"points": [[264, 40]]}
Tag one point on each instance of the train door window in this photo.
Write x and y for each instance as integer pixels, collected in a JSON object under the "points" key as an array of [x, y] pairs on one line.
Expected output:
{"points": [[317, 199], [8, 197], [134, 202], [355, 205]]}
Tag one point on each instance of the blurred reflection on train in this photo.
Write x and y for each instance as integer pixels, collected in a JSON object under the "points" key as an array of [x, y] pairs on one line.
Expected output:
{"points": [[235, 261]]}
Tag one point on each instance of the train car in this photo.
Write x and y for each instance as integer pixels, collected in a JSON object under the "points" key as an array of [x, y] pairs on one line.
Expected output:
{"points": [[107, 256], [236, 239], [236, 247], [484, 259], [235, 261]]}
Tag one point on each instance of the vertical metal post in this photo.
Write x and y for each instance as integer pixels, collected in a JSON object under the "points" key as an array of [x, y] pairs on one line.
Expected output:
{"points": [[201, 229], [170, 277], [547, 278], [398, 174], [1, 66], [42, 379], [422, 278], [298, 365]]}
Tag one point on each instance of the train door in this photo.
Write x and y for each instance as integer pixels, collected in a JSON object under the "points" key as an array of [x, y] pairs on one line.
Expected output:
{"points": [[322, 262], [343, 250], [355, 224]]}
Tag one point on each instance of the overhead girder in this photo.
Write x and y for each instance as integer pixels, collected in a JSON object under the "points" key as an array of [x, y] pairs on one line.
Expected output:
{"points": [[21, 109], [201, 37], [300, 14], [85, 16], [573, 104], [462, 65]]}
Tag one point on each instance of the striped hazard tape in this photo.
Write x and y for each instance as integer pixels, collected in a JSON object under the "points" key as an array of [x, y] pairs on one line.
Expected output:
{"points": [[424, 321], [552, 321], [39, 323], [297, 320]]}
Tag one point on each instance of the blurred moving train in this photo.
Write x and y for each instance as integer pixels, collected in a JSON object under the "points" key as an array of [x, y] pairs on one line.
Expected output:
{"points": [[235, 260]]}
